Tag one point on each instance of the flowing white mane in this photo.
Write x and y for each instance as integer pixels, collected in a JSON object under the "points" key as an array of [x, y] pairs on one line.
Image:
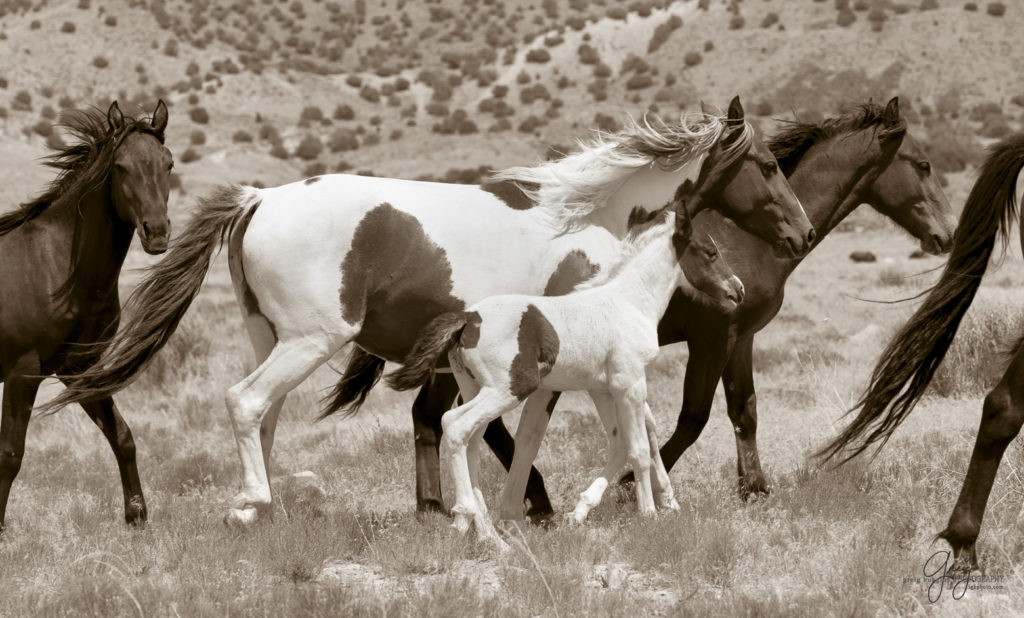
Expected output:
{"points": [[570, 188]]}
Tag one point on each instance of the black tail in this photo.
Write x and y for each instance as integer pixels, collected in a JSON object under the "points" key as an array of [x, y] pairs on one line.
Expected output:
{"points": [[154, 309], [437, 338], [912, 357], [361, 375]]}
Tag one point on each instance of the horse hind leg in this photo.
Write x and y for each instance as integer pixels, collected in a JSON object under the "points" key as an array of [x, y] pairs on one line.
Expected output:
{"points": [[20, 386], [431, 403], [661, 484], [249, 402], [105, 415], [1001, 420]]}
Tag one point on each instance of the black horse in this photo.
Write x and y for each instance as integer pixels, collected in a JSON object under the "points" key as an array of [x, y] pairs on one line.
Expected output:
{"points": [[60, 256], [914, 354]]}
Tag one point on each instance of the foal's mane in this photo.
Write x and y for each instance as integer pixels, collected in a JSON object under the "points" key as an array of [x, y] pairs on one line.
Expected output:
{"points": [[792, 144], [570, 188], [83, 165]]}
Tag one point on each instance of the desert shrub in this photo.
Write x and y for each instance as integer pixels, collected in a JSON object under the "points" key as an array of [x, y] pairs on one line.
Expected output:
{"points": [[602, 70], [110, 20], [68, 27], [604, 122], [877, 18], [692, 59], [599, 89], [311, 113], [764, 108], [502, 124], [314, 169], [197, 137], [553, 41], [971, 6], [523, 78], [171, 48], [43, 128], [343, 112], [499, 91], [995, 125], [532, 93], [639, 82], [241, 137], [3, 83], [193, 98], [309, 148], [662, 32], [736, 22], [952, 148], [342, 140], [100, 62], [22, 101], [48, 113], [35, 24], [538, 56], [846, 18], [770, 20], [563, 82], [269, 133], [401, 84], [996, 9], [54, 141], [3, 112], [616, 12], [278, 150], [370, 93], [437, 109], [531, 124], [396, 134], [1018, 100], [354, 80], [929, 5], [576, 22], [189, 156], [634, 63], [587, 54], [199, 115]]}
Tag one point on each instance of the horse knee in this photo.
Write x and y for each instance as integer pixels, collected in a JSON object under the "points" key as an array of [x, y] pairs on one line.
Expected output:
{"points": [[1002, 417], [10, 463], [246, 413]]}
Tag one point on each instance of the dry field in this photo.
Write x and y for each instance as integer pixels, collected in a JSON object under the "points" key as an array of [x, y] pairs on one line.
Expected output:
{"points": [[846, 542]]}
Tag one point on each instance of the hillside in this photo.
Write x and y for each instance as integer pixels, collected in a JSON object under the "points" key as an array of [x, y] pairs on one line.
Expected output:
{"points": [[273, 91]]}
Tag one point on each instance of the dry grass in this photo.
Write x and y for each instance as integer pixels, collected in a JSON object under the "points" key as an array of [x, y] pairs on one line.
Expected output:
{"points": [[824, 543]]}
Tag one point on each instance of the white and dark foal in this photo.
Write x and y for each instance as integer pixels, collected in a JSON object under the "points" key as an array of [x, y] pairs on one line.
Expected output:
{"points": [[599, 338]]}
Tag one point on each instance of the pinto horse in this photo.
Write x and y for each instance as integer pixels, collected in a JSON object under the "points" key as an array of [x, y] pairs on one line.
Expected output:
{"points": [[914, 354], [60, 257], [599, 338], [390, 255]]}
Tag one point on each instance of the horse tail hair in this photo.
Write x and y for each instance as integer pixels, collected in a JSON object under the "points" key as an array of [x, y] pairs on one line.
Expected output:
{"points": [[440, 336], [361, 375], [915, 353], [155, 307]]}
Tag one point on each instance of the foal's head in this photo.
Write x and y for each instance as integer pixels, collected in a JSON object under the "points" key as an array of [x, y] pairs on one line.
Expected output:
{"points": [[743, 183], [140, 175], [701, 263]]}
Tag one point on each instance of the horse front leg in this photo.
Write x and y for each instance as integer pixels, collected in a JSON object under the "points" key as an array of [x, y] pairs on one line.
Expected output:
{"points": [[433, 400], [104, 413], [1001, 420], [738, 378], [20, 386]]}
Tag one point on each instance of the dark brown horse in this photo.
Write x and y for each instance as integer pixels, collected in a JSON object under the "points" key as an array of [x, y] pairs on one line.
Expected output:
{"points": [[864, 156], [915, 353], [60, 256]]}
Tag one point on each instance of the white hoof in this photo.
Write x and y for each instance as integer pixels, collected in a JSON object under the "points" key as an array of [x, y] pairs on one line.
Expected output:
{"points": [[243, 517]]}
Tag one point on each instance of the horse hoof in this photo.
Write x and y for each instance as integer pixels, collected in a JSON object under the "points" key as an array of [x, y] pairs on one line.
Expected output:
{"points": [[545, 521], [754, 490], [135, 512], [461, 523], [241, 518], [433, 506]]}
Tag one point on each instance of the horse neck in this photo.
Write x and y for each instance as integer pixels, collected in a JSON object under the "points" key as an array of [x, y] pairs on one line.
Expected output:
{"points": [[827, 176], [649, 188], [98, 243], [648, 278]]}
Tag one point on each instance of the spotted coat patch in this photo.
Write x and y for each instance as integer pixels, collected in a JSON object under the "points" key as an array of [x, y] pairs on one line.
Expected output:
{"points": [[312, 180], [511, 193], [249, 301], [394, 281], [538, 348], [573, 270]]}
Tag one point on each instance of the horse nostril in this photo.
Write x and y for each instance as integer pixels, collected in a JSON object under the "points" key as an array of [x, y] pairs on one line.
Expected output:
{"points": [[811, 235], [145, 228]]}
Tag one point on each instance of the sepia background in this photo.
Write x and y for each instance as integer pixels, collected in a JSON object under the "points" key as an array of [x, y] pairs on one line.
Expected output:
{"points": [[267, 92]]}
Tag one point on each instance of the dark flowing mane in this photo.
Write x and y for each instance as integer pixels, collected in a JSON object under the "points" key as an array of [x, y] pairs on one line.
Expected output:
{"points": [[791, 144], [83, 165]]}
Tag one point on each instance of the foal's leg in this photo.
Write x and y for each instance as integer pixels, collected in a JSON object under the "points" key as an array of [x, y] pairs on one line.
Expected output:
{"points": [[1001, 420], [432, 402], [738, 379], [20, 386], [532, 425], [616, 457], [104, 413], [289, 363], [661, 485], [629, 412]]}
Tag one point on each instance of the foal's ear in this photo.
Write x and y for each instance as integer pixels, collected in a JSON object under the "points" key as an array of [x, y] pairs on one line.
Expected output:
{"points": [[115, 119], [891, 115], [159, 121], [735, 109]]}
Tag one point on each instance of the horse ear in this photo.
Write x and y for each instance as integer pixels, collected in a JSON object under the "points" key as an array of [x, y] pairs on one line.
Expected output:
{"points": [[891, 115], [735, 109], [115, 119], [159, 121]]}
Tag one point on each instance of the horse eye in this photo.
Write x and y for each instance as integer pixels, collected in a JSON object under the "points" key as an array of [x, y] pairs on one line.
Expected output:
{"points": [[769, 167], [170, 166], [924, 166]]}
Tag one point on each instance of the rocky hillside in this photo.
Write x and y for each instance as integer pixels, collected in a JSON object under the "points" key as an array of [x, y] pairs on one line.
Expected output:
{"points": [[269, 91]]}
